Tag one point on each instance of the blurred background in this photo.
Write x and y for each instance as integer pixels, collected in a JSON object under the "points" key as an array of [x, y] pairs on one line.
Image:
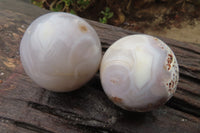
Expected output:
{"points": [[176, 19]]}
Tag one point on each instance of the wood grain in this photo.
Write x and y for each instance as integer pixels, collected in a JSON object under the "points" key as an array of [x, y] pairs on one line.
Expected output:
{"points": [[27, 108]]}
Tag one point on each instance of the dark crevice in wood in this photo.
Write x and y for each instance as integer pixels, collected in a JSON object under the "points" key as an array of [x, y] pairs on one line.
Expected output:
{"points": [[74, 119], [183, 106], [94, 129], [194, 72], [186, 118], [188, 93], [189, 78], [25, 125], [192, 69]]}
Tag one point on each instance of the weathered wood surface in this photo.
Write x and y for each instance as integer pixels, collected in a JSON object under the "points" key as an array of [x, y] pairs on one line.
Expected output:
{"points": [[27, 108]]}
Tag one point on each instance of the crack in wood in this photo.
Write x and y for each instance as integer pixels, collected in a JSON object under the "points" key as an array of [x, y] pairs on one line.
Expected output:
{"points": [[190, 78], [183, 106], [24, 125], [74, 119]]}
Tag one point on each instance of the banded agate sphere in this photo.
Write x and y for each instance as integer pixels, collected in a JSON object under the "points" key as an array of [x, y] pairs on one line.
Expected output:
{"points": [[60, 51], [139, 73]]}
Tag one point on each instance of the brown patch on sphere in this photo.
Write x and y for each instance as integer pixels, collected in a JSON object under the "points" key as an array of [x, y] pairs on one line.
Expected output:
{"points": [[83, 28], [116, 99]]}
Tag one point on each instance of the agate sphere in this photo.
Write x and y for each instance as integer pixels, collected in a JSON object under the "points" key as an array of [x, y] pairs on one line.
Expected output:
{"points": [[139, 72], [60, 51]]}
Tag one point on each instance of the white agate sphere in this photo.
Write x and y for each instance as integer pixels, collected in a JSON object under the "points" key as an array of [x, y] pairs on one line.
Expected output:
{"points": [[60, 51], [139, 73]]}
